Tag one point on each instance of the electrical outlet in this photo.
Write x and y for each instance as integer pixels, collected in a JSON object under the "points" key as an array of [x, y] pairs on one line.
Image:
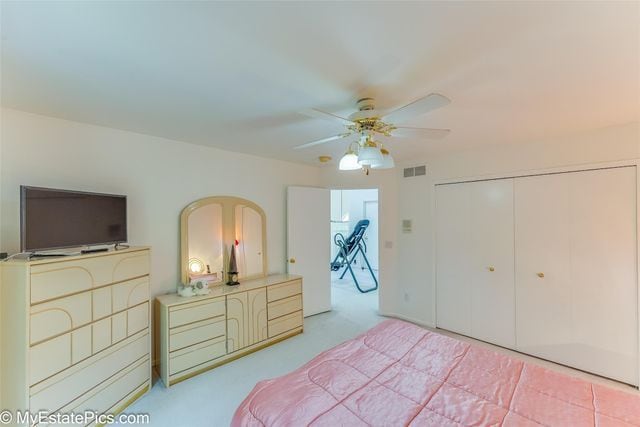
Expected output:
{"points": [[388, 244]]}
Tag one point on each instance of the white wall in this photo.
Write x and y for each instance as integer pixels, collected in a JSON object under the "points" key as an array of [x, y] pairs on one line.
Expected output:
{"points": [[356, 199], [159, 176], [162, 176], [415, 287]]}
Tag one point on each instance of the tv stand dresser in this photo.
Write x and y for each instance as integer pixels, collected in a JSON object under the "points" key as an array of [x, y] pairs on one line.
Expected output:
{"points": [[75, 332]]}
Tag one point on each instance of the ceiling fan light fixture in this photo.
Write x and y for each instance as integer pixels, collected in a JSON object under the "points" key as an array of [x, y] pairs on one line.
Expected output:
{"points": [[368, 122], [349, 161], [387, 160], [369, 154]]}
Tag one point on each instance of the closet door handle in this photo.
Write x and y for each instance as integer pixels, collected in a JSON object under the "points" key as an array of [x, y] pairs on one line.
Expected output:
{"points": [[292, 261], [540, 275], [491, 268]]}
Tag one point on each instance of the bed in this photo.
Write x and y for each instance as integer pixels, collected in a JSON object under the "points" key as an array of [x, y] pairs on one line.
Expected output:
{"points": [[399, 374]]}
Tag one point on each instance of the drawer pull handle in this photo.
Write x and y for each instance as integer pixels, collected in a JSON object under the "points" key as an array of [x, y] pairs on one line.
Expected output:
{"points": [[492, 268], [541, 275]]}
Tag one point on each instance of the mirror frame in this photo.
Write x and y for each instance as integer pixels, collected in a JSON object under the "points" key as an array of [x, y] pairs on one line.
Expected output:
{"points": [[228, 204]]}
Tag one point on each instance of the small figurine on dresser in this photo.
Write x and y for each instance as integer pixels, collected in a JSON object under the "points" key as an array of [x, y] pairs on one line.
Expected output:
{"points": [[233, 268], [195, 287]]}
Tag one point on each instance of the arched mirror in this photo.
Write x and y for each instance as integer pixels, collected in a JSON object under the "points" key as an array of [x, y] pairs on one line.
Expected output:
{"points": [[205, 237], [209, 229], [248, 229]]}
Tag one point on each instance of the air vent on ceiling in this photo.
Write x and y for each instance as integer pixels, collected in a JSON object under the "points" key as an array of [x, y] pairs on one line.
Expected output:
{"points": [[415, 171]]}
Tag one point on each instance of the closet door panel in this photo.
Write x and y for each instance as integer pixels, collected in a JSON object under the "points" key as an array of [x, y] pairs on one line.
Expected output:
{"points": [[492, 248], [543, 304], [603, 272], [453, 231]]}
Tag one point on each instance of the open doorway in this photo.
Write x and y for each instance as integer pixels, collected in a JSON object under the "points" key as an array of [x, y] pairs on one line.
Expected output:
{"points": [[354, 233]]}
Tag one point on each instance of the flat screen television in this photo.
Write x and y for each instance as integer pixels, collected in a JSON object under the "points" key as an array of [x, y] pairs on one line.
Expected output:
{"points": [[56, 219]]}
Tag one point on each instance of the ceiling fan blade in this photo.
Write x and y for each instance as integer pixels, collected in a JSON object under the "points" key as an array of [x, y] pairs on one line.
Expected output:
{"points": [[406, 132], [312, 112], [416, 108], [321, 141]]}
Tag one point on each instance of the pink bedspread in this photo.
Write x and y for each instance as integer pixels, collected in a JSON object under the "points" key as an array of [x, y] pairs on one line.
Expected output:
{"points": [[400, 374]]}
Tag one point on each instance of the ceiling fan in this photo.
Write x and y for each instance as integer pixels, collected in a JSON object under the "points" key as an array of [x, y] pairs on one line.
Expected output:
{"points": [[368, 123]]}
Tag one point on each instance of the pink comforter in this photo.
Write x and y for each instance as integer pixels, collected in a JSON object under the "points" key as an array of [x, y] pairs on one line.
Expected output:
{"points": [[399, 374]]}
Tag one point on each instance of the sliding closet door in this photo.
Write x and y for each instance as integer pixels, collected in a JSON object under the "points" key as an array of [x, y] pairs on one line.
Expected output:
{"points": [[492, 276], [543, 298], [474, 270], [576, 262], [453, 252], [603, 269]]}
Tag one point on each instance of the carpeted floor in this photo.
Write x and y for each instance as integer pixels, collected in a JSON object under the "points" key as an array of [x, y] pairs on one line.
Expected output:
{"points": [[211, 398]]}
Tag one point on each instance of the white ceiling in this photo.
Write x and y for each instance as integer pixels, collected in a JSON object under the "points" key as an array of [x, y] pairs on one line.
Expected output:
{"points": [[234, 75]]}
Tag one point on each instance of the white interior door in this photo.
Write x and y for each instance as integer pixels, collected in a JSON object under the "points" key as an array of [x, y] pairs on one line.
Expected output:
{"points": [[603, 267], [453, 296], [579, 231], [544, 296], [475, 289], [308, 225], [371, 237], [492, 287]]}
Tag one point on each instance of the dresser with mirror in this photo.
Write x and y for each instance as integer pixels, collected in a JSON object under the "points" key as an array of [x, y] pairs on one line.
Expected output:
{"points": [[202, 332]]}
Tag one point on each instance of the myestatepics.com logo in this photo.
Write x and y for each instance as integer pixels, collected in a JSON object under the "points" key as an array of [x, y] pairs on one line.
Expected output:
{"points": [[84, 418]]}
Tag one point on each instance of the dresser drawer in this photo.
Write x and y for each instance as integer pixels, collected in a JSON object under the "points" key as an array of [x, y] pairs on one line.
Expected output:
{"points": [[57, 354], [284, 290], [285, 323], [284, 306], [59, 316], [130, 293], [57, 279], [196, 333], [137, 318], [66, 387], [101, 335], [196, 355], [190, 313], [112, 391], [49, 358]]}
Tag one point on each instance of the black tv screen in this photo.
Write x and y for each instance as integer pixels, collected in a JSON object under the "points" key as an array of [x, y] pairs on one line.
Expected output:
{"points": [[54, 219]]}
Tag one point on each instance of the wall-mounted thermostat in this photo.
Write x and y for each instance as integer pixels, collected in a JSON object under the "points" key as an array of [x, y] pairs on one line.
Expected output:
{"points": [[406, 225]]}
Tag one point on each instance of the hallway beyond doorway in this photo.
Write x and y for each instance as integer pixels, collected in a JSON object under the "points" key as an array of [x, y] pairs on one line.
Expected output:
{"points": [[348, 210], [347, 299]]}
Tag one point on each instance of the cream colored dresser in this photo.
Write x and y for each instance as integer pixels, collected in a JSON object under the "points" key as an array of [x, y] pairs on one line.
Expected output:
{"points": [[76, 332], [200, 333]]}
